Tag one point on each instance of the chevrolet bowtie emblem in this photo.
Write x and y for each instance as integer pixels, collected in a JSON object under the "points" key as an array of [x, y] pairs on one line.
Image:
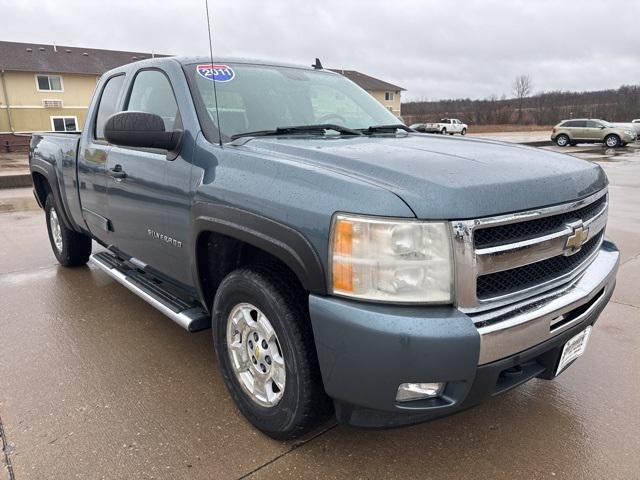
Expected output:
{"points": [[577, 238]]}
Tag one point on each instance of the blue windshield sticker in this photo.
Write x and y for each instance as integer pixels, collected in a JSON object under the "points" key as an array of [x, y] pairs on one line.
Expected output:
{"points": [[218, 73]]}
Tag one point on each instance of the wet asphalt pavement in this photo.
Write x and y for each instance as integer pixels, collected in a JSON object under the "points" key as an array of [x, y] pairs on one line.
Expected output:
{"points": [[95, 383]]}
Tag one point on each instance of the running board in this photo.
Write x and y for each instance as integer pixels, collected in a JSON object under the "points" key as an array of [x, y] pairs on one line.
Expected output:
{"points": [[191, 317]]}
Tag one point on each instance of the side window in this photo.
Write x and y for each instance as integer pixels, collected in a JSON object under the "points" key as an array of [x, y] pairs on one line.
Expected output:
{"points": [[107, 106], [152, 93], [591, 124], [580, 123]]}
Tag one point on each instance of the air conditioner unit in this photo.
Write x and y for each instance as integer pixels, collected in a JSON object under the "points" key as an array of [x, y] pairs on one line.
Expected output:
{"points": [[52, 103]]}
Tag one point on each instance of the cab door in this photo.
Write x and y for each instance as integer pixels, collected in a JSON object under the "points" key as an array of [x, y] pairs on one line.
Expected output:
{"points": [[143, 200], [92, 160]]}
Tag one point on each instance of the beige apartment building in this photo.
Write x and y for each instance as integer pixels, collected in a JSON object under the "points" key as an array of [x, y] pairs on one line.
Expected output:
{"points": [[386, 93], [49, 87]]}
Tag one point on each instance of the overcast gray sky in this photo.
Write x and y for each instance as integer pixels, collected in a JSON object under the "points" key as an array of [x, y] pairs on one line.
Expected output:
{"points": [[434, 48]]}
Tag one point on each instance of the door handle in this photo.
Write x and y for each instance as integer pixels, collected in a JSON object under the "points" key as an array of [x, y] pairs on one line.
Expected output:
{"points": [[116, 172]]}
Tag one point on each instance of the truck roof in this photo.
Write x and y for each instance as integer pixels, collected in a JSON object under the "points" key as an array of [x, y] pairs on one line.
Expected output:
{"points": [[185, 60]]}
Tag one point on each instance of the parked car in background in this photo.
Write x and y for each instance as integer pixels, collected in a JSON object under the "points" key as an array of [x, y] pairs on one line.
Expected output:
{"points": [[634, 125], [444, 126], [586, 130]]}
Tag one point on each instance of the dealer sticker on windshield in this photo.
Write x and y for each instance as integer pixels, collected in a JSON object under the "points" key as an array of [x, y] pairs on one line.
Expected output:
{"points": [[216, 72]]}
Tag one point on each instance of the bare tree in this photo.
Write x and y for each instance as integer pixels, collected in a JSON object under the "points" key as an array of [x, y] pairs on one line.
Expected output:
{"points": [[522, 87]]}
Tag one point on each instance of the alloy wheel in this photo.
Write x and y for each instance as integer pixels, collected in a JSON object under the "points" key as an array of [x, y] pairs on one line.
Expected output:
{"points": [[256, 355]]}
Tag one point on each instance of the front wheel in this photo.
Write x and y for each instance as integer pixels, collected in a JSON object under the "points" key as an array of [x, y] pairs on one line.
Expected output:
{"points": [[463, 132], [265, 349], [70, 248], [612, 141]]}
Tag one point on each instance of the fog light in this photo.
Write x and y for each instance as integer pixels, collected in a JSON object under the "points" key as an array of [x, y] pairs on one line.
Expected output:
{"points": [[418, 391]]}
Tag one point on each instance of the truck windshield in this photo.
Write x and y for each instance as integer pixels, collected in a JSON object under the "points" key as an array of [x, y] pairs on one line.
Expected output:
{"points": [[262, 97]]}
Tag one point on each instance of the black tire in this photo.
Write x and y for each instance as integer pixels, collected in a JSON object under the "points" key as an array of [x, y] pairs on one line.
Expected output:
{"points": [[612, 141], [443, 131], [75, 248], [463, 132], [303, 402], [563, 140]]}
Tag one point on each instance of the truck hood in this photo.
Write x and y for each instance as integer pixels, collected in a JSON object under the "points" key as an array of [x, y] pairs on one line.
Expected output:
{"points": [[446, 177]]}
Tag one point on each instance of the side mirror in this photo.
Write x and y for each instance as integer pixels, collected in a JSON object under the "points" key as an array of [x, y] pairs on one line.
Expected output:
{"points": [[140, 129]]}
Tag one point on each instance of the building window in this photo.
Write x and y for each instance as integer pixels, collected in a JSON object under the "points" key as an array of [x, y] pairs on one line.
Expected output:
{"points": [[64, 124], [49, 83], [388, 96]]}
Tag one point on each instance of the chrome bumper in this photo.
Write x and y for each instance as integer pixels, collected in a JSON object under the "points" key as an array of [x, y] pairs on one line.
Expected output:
{"points": [[508, 330]]}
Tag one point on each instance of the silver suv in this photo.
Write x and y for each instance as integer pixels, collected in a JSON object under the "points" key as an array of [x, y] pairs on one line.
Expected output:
{"points": [[584, 130]]}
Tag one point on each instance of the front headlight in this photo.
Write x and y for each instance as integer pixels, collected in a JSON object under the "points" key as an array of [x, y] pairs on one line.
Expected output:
{"points": [[629, 132], [402, 261]]}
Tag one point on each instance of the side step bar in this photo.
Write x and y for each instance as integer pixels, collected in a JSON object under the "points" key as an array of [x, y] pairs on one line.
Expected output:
{"points": [[191, 317]]}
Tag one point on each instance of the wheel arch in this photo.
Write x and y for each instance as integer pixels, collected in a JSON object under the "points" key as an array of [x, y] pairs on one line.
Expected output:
{"points": [[226, 238], [45, 182], [41, 187]]}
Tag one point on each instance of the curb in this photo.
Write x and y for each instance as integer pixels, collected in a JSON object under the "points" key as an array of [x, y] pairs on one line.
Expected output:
{"points": [[17, 180], [540, 143]]}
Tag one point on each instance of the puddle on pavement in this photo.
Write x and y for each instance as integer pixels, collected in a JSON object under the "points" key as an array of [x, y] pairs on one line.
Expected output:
{"points": [[597, 153]]}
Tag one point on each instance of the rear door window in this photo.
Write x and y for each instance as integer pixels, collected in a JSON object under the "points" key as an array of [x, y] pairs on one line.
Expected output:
{"points": [[108, 104]]}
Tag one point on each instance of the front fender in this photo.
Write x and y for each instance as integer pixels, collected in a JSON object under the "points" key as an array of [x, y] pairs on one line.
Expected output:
{"points": [[279, 240]]}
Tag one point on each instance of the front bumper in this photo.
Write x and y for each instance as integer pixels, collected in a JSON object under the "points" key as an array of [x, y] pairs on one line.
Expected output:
{"points": [[367, 350]]}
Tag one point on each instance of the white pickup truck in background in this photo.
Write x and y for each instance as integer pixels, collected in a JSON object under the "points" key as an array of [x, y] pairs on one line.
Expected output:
{"points": [[444, 126]]}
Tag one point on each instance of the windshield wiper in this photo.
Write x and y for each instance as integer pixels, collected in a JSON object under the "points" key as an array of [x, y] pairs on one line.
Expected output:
{"points": [[321, 129], [385, 129]]}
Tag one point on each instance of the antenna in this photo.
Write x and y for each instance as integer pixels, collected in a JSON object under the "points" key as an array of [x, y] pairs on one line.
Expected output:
{"points": [[317, 65], [213, 79]]}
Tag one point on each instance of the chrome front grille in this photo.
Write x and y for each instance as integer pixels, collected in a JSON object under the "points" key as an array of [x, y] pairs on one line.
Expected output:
{"points": [[512, 232], [527, 276], [503, 259]]}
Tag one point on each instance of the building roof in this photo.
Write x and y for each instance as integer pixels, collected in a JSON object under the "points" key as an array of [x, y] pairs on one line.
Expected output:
{"points": [[367, 82], [35, 57]]}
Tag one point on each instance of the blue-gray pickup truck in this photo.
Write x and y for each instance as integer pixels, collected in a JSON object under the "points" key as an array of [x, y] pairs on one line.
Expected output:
{"points": [[345, 264]]}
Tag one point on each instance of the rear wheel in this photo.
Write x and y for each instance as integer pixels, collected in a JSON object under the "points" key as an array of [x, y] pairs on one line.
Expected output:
{"points": [[265, 349], [443, 131], [612, 141], [70, 248], [562, 140]]}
